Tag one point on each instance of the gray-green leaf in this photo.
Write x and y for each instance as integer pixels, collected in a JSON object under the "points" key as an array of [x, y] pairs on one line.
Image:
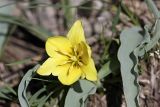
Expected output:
{"points": [[130, 40], [78, 93], [23, 86]]}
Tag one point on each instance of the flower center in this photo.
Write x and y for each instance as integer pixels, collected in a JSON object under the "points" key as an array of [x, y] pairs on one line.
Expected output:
{"points": [[76, 57]]}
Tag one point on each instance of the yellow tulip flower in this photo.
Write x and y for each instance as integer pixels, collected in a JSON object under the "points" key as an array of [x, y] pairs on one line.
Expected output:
{"points": [[69, 57]]}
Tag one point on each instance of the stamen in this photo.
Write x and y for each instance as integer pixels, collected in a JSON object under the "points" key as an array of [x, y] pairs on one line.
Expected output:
{"points": [[73, 58], [63, 53], [65, 62], [71, 67], [75, 49], [80, 54], [80, 63]]}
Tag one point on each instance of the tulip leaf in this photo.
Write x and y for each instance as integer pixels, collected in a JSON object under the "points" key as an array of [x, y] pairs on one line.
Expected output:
{"points": [[78, 93], [135, 42], [155, 30], [156, 36], [23, 87], [110, 67], [105, 70], [130, 39], [41, 103], [36, 95]]}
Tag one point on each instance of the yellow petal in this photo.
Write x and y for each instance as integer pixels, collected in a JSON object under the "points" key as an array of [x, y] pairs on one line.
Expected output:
{"points": [[83, 75], [60, 69], [90, 71], [47, 67], [70, 76], [60, 64], [76, 33], [85, 55], [50, 65], [58, 43], [89, 50]]}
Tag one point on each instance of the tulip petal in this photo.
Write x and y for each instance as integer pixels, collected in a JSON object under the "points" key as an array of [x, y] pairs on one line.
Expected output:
{"points": [[76, 33], [50, 65], [89, 50], [60, 69], [47, 67], [70, 76], [58, 43], [90, 71], [83, 48]]}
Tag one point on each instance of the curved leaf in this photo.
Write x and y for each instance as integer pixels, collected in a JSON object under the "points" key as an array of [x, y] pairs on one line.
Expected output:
{"points": [[78, 93], [135, 43], [23, 86], [104, 71], [130, 39], [110, 67], [41, 104], [156, 36], [36, 95]]}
